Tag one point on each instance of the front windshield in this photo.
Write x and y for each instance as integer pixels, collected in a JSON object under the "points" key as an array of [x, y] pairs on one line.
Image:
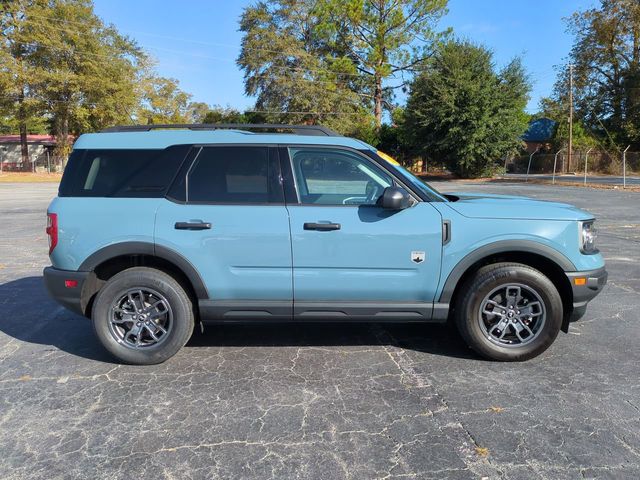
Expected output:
{"points": [[428, 190]]}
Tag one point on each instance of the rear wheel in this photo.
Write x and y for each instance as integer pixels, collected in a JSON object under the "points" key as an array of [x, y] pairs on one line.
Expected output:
{"points": [[509, 312], [143, 316]]}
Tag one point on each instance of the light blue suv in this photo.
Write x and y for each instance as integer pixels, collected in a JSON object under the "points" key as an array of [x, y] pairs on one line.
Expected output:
{"points": [[158, 228]]}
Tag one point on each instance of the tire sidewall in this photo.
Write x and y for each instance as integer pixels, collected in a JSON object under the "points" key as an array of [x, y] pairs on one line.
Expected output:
{"points": [[468, 321], [181, 307]]}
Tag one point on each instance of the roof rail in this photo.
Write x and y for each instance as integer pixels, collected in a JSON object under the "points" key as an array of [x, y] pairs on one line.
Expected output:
{"points": [[312, 130]]}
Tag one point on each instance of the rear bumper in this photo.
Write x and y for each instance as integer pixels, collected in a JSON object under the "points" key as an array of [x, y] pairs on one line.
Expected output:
{"points": [[595, 280], [70, 297]]}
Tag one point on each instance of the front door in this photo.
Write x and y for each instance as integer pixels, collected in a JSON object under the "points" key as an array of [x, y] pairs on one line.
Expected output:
{"points": [[350, 256], [228, 219]]}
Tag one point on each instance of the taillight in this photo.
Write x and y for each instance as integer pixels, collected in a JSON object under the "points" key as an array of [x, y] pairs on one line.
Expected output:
{"points": [[52, 230]]}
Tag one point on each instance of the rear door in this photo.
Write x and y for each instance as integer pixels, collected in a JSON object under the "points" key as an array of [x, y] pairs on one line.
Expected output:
{"points": [[226, 215], [350, 256]]}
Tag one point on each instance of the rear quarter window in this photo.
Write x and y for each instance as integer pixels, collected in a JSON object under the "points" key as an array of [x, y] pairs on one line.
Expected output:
{"points": [[121, 173]]}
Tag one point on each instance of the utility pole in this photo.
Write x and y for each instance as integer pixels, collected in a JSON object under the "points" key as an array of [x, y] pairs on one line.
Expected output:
{"points": [[570, 150]]}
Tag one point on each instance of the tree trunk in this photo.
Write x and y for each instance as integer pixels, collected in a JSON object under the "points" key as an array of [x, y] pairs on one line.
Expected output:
{"points": [[24, 146], [62, 136], [22, 124], [377, 98]]}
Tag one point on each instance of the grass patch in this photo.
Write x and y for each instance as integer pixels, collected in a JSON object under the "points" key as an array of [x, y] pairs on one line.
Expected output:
{"points": [[29, 177]]}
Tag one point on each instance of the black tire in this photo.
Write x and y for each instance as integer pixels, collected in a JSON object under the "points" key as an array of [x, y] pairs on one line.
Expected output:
{"points": [[486, 280], [182, 317]]}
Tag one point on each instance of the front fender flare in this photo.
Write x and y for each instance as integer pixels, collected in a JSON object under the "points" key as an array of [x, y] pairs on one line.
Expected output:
{"points": [[503, 246]]}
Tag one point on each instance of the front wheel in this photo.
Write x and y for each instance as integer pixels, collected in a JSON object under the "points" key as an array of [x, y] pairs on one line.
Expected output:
{"points": [[509, 312], [143, 316]]}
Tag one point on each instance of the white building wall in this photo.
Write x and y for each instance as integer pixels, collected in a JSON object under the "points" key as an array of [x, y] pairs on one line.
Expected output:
{"points": [[10, 154]]}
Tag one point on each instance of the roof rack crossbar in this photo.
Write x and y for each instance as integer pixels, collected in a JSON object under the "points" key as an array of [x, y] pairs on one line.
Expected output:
{"points": [[313, 130]]}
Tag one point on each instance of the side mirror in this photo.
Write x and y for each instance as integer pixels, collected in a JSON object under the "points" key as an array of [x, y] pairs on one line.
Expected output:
{"points": [[395, 198]]}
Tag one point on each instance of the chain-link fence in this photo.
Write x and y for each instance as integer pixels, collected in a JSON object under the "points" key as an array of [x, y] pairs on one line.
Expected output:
{"points": [[585, 166], [43, 162]]}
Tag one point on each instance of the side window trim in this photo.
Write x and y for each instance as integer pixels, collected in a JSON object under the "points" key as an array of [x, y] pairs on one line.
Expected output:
{"points": [[186, 175], [174, 194], [290, 186]]}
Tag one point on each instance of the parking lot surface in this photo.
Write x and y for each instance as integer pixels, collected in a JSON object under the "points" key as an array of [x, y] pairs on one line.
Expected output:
{"points": [[359, 401]]}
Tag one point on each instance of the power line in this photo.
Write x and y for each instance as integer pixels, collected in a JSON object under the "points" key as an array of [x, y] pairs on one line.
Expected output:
{"points": [[182, 52], [195, 55], [302, 113], [55, 102], [263, 76]]}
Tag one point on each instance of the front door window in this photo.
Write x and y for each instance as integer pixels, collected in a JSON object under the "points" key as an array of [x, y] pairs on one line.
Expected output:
{"points": [[326, 176]]}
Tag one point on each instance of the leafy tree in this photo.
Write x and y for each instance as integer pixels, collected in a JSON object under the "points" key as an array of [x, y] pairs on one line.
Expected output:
{"points": [[559, 112], [68, 65], [294, 72], [226, 115], [381, 38], [35, 125], [465, 114], [393, 139], [606, 59], [197, 112], [18, 74], [162, 102]]}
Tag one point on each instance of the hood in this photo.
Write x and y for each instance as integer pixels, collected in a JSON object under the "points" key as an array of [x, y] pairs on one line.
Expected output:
{"points": [[511, 206]]}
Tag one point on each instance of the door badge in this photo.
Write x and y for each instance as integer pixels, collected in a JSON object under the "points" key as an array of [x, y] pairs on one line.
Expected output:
{"points": [[418, 257]]}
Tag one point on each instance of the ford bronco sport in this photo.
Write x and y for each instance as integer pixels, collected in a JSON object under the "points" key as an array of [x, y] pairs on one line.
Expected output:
{"points": [[158, 228]]}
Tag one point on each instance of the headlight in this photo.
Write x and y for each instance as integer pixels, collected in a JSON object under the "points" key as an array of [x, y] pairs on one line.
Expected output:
{"points": [[588, 237]]}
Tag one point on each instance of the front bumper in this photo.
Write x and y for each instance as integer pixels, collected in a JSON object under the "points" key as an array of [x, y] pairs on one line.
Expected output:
{"points": [[587, 290], [70, 297]]}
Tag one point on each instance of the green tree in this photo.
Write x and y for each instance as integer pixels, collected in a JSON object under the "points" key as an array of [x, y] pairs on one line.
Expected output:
{"points": [[294, 72], [382, 38], [18, 74], [559, 112], [163, 102], [393, 139], [69, 66], [606, 59], [463, 113], [219, 114], [197, 112]]}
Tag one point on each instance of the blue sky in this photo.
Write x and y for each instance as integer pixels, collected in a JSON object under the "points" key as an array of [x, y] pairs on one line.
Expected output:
{"points": [[197, 41]]}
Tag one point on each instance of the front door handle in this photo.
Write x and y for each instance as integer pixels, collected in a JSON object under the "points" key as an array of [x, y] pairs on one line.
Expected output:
{"points": [[192, 226], [324, 227]]}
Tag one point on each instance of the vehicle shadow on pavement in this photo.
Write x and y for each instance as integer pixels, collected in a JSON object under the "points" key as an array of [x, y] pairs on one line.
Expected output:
{"points": [[29, 315], [428, 338]]}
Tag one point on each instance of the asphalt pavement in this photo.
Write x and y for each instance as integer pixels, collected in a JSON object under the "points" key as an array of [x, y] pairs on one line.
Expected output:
{"points": [[332, 401]]}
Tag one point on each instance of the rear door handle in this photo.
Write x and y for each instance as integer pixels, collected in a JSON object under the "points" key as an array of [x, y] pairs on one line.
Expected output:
{"points": [[325, 227], [192, 226]]}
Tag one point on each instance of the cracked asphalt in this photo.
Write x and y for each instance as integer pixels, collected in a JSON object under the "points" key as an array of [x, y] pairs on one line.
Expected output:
{"points": [[319, 401]]}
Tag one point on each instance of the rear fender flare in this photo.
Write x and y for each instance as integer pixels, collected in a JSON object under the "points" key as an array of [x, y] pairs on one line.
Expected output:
{"points": [[146, 248]]}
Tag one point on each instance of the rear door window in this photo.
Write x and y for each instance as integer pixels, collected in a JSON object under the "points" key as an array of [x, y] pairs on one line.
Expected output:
{"points": [[232, 175]]}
